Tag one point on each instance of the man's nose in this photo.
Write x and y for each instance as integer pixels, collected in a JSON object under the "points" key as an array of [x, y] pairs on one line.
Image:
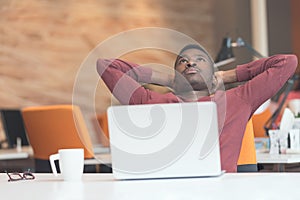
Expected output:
{"points": [[191, 64]]}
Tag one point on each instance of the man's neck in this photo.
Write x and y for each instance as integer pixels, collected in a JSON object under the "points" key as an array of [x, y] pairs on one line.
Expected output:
{"points": [[192, 95]]}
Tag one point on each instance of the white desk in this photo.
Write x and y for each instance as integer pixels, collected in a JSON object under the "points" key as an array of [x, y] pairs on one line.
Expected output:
{"points": [[10, 154], [103, 186], [279, 160]]}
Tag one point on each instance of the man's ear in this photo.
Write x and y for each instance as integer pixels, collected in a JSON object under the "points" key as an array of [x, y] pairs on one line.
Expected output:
{"points": [[215, 80], [214, 84]]}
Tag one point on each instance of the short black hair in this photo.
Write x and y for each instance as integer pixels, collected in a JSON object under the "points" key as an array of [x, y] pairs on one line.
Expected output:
{"points": [[193, 46]]}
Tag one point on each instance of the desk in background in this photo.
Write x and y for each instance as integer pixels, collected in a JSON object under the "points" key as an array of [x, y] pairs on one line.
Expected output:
{"points": [[13, 154], [103, 186], [279, 161], [13, 160], [273, 162]]}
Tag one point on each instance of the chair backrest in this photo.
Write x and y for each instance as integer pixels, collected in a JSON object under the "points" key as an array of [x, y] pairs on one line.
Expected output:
{"points": [[248, 153], [54, 127], [103, 123], [259, 120]]}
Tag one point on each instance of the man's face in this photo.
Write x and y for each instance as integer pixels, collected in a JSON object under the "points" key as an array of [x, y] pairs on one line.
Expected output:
{"points": [[195, 66]]}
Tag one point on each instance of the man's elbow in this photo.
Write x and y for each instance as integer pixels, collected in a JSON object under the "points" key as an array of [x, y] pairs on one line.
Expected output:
{"points": [[292, 62], [102, 65]]}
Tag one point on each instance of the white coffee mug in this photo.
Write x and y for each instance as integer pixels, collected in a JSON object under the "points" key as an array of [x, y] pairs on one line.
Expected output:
{"points": [[71, 162]]}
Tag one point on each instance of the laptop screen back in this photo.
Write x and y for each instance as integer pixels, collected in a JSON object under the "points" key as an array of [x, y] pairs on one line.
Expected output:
{"points": [[164, 140]]}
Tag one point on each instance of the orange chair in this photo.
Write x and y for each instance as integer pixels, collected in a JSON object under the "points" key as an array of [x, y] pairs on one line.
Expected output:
{"points": [[103, 123], [259, 120], [247, 158], [54, 127]]}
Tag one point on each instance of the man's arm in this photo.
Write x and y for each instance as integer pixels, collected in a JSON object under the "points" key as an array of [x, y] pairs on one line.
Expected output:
{"points": [[226, 77], [163, 76], [159, 75], [263, 78], [250, 70], [124, 80]]}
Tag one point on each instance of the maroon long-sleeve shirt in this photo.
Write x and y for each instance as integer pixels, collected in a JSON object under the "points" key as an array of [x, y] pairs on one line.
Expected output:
{"points": [[263, 78]]}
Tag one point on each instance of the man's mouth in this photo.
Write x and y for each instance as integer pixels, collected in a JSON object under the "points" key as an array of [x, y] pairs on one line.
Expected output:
{"points": [[190, 70]]}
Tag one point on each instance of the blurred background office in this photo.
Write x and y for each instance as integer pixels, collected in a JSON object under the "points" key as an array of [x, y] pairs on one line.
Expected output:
{"points": [[44, 42]]}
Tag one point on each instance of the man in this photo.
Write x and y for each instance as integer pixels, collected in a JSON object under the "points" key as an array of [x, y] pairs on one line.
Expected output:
{"points": [[195, 80]]}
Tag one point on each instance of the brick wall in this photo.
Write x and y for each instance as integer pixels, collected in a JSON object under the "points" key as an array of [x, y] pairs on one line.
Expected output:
{"points": [[44, 43]]}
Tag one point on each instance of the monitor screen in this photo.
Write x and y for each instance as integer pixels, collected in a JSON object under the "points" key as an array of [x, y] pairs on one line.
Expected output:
{"points": [[13, 125]]}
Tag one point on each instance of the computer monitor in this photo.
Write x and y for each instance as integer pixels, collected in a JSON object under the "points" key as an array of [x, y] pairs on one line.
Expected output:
{"points": [[13, 125]]}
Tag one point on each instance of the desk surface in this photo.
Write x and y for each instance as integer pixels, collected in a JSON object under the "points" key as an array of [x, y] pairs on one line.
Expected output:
{"points": [[266, 158], [103, 186], [9, 154]]}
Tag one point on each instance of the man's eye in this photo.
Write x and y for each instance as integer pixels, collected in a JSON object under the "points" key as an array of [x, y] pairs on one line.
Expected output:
{"points": [[200, 59], [183, 61]]}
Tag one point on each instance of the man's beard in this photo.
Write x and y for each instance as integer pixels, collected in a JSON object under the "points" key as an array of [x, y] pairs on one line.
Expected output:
{"points": [[194, 83]]}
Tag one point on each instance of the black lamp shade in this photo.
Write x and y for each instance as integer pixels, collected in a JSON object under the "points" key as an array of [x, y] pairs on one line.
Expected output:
{"points": [[225, 51]]}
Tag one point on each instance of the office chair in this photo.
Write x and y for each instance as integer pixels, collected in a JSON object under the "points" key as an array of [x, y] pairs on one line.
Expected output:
{"points": [[50, 128], [259, 121], [247, 158], [103, 123]]}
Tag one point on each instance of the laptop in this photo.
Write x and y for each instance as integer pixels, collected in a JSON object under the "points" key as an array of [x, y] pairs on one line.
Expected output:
{"points": [[174, 140], [13, 125]]}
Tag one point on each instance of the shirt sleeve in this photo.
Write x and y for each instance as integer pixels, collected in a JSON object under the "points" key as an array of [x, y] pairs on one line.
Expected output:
{"points": [[124, 80], [265, 77]]}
